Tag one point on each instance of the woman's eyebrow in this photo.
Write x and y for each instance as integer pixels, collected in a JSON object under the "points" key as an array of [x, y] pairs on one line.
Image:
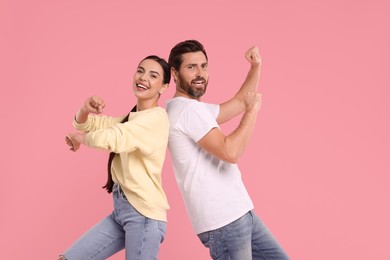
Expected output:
{"points": [[152, 71]]}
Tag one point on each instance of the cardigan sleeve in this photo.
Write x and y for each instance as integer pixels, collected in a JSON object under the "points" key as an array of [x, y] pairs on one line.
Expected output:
{"points": [[144, 132], [95, 123]]}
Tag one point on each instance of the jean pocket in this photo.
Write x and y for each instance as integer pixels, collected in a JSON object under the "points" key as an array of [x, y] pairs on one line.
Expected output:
{"points": [[162, 226], [204, 237], [208, 241], [123, 196]]}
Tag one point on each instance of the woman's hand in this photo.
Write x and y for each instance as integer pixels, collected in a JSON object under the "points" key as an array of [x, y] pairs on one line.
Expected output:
{"points": [[94, 105], [74, 140]]}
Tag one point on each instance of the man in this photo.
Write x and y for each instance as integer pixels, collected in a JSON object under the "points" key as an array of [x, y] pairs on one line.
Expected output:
{"points": [[204, 159]]}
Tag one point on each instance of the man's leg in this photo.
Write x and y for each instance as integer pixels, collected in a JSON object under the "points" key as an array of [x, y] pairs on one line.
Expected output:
{"points": [[264, 245], [231, 242]]}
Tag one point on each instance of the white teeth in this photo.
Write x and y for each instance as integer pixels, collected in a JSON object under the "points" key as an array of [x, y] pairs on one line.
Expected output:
{"points": [[141, 86]]}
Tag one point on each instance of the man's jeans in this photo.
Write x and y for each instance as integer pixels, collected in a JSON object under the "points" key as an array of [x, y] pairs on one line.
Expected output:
{"points": [[124, 228], [244, 239]]}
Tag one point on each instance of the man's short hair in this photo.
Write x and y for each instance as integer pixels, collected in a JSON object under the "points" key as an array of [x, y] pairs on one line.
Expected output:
{"points": [[175, 57]]}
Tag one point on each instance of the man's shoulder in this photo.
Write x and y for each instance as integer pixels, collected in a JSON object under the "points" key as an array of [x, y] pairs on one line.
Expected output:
{"points": [[180, 103], [180, 100], [188, 105]]}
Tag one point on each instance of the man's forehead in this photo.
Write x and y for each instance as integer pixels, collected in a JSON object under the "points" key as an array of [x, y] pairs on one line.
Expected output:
{"points": [[194, 58]]}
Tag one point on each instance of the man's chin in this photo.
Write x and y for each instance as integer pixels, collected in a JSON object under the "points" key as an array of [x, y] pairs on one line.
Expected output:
{"points": [[198, 94]]}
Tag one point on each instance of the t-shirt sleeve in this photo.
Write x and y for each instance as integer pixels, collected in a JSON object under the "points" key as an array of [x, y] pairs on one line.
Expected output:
{"points": [[198, 119]]}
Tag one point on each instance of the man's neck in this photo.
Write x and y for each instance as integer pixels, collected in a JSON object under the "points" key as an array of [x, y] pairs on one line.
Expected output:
{"points": [[185, 95]]}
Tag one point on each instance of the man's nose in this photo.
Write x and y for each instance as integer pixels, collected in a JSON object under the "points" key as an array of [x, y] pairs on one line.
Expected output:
{"points": [[199, 72]]}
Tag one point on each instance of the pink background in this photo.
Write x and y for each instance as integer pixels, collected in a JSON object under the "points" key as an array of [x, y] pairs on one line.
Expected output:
{"points": [[318, 164]]}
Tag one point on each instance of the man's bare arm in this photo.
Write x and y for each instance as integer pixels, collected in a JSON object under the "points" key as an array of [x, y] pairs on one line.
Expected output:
{"points": [[235, 105], [230, 148]]}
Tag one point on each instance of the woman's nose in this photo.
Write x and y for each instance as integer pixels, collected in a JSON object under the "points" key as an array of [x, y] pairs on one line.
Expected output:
{"points": [[142, 77]]}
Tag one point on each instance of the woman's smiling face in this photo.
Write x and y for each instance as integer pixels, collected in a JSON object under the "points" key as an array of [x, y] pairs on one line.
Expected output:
{"points": [[148, 80]]}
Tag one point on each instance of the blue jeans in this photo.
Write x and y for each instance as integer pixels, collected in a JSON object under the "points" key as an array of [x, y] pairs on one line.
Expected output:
{"points": [[124, 228], [244, 239]]}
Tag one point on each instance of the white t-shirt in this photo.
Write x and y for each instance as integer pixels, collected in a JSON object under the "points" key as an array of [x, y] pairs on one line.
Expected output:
{"points": [[212, 189]]}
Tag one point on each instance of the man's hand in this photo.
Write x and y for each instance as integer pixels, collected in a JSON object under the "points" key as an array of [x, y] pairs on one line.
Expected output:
{"points": [[94, 105], [252, 101], [253, 56]]}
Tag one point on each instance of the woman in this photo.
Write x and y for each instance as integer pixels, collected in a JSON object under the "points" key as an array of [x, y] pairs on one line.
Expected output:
{"points": [[138, 144]]}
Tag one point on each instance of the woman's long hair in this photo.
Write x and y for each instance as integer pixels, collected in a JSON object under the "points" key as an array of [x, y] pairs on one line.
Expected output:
{"points": [[110, 183], [166, 79]]}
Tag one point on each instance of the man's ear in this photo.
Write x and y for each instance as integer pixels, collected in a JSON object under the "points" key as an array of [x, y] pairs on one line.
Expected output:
{"points": [[174, 73]]}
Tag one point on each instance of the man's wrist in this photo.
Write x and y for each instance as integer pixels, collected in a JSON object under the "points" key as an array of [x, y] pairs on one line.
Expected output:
{"points": [[251, 110], [255, 66]]}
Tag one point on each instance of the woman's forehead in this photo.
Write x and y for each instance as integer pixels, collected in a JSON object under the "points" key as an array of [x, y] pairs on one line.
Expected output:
{"points": [[150, 64]]}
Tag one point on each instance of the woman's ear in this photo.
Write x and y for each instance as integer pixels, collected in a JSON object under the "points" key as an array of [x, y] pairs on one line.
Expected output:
{"points": [[163, 88]]}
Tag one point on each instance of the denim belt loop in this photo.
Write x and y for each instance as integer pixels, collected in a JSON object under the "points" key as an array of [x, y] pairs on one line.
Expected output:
{"points": [[118, 189]]}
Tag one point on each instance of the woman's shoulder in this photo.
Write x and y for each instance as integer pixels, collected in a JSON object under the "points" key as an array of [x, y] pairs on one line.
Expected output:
{"points": [[157, 111], [154, 113]]}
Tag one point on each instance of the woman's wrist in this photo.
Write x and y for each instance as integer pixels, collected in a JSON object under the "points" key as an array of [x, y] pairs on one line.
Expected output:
{"points": [[82, 115]]}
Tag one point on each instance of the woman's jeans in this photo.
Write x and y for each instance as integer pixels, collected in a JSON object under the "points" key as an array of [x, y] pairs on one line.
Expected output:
{"points": [[244, 239], [124, 228]]}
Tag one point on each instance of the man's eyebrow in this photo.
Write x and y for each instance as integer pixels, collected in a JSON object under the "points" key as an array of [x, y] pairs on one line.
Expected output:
{"points": [[196, 64]]}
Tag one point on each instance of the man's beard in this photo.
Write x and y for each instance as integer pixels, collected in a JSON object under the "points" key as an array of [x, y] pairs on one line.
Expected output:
{"points": [[189, 89]]}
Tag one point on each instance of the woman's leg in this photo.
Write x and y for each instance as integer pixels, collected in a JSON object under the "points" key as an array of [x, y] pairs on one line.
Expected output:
{"points": [[100, 242], [143, 235], [143, 239]]}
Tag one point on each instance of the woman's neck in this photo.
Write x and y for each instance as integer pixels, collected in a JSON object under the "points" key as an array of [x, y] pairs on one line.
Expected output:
{"points": [[143, 105]]}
